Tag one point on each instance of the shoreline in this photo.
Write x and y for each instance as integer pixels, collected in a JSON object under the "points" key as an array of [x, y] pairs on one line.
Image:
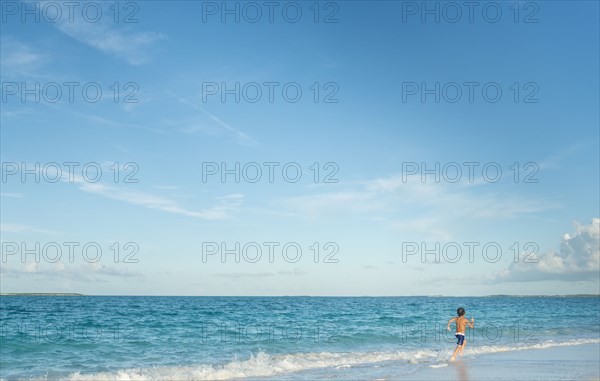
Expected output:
{"points": [[561, 362], [577, 362], [573, 363]]}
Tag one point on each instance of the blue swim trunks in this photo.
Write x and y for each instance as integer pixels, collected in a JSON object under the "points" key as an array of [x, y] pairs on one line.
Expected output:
{"points": [[460, 337]]}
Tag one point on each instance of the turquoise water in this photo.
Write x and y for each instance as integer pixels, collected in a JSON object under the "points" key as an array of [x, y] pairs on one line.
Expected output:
{"points": [[111, 337]]}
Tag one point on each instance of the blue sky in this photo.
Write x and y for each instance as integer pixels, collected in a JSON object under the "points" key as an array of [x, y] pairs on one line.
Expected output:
{"points": [[374, 125]]}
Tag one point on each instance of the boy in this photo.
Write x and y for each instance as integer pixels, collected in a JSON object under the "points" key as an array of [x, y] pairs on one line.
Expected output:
{"points": [[461, 324]]}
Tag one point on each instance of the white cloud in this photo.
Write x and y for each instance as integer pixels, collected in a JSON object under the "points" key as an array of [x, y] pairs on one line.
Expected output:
{"points": [[577, 259], [31, 268]]}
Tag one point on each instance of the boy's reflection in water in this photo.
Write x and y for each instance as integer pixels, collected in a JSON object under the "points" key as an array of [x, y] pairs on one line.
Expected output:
{"points": [[461, 371]]}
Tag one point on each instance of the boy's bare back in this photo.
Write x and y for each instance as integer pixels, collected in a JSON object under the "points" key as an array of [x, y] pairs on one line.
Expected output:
{"points": [[461, 324]]}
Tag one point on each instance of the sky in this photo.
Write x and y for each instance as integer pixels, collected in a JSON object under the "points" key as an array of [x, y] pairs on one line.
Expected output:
{"points": [[300, 148]]}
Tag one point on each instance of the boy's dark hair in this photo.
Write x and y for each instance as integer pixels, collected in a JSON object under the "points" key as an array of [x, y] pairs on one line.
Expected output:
{"points": [[460, 311]]}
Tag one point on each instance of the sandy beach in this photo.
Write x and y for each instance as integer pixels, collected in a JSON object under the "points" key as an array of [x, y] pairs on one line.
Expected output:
{"points": [[579, 362]]}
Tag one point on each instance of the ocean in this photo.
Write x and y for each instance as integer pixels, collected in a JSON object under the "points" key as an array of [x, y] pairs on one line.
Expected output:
{"points": [[177, 338]]}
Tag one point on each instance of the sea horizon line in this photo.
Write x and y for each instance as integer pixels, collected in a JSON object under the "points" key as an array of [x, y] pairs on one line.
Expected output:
{"points": [[301, 296]]}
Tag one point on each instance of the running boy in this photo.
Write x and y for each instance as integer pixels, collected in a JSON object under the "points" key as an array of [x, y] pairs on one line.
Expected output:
{"points": [[461, 325]]}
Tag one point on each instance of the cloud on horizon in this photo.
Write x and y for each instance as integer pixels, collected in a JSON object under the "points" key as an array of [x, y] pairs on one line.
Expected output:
{"points": [[240, 275], [89, 272], [578, 259]]}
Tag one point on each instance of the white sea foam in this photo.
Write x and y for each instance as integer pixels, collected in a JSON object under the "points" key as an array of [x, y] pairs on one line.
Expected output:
{"points": [[546, 344], [438, 365], [264, 365]]}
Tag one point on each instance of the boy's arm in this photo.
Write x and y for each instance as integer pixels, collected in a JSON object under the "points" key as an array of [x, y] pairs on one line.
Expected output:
{"points": [[450, 321], [471, 323]]}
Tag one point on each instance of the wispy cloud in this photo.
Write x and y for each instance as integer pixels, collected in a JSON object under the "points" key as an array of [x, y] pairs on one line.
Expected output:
{"points": [[413, 206], [5, 114], [167, 187], [241, 275], [239, 136], [116, 124], [393, 194], [556, 160], [332, 203], [19, 59], [110, 38], [431, 226], [21, 228], [12, 195], [223, 208]]}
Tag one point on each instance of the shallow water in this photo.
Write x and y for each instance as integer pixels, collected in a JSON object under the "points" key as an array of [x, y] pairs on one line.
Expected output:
{"points": [[111, 337]]}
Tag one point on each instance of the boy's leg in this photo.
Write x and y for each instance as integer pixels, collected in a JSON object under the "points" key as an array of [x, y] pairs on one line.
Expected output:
{"points": [[462, 347], [455, 352]]}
